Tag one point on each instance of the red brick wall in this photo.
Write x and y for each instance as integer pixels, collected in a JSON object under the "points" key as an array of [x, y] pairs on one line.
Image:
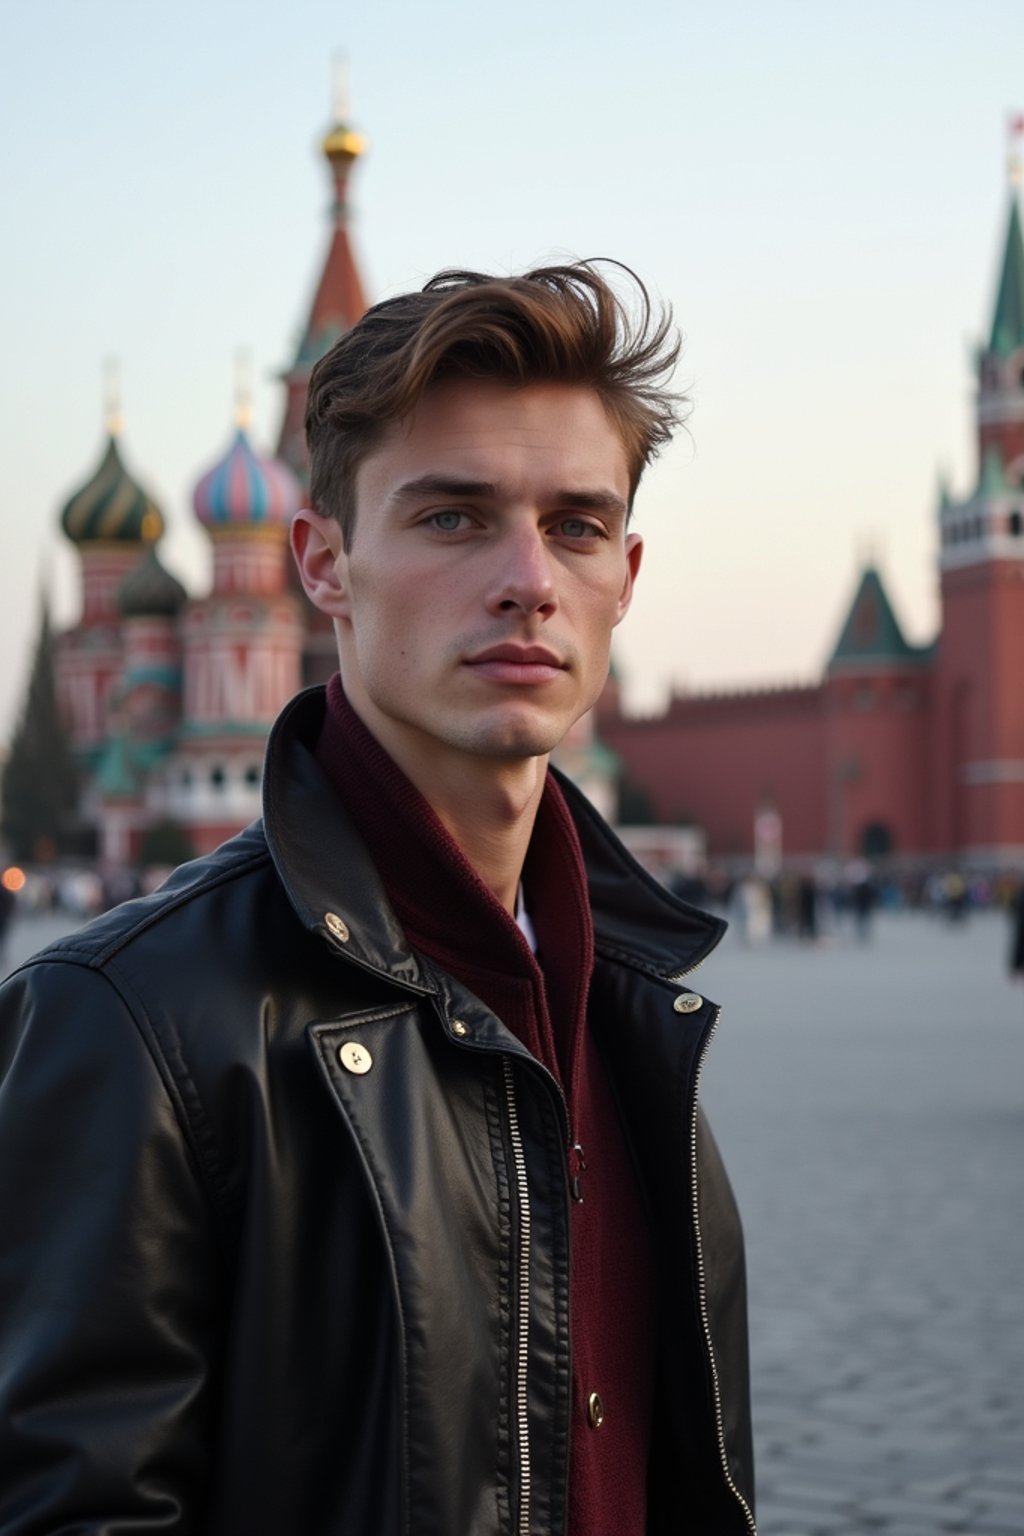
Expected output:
{"points": [[877, 746], [719, 759]]}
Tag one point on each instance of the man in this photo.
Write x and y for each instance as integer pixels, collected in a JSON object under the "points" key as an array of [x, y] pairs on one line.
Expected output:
{"points": [[355, 1181]]}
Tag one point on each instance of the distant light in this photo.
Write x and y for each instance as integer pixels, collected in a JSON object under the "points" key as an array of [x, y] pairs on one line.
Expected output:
{"points": [[13, 878]]}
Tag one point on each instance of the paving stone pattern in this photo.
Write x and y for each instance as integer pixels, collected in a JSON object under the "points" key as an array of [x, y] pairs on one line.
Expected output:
{"points": [[869, 1100]]}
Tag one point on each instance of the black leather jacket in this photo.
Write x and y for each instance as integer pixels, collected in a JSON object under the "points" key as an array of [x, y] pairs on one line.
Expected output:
{"points": [[245, 1289]]}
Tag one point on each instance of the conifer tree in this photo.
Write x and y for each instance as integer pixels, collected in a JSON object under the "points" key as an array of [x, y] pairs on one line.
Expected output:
{"points": [[40, 782]]}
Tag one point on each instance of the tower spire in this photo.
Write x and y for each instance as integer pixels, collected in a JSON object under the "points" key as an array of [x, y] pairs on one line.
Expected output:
{"points": [[339, 302], [112, 415], [340, 87], [243, 389], [341, 145]]}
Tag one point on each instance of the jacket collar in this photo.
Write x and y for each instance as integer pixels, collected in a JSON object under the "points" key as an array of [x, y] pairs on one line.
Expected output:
{"points": [[325, 869]]}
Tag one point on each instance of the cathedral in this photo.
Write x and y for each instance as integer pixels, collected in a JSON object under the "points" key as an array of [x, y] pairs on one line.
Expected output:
{"points": [[899, 752], [168, 699]]}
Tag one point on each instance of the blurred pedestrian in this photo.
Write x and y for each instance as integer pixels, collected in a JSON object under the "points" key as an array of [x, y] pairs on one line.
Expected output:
{"points": [[807, 908], [1017, 945], [863, 897]]}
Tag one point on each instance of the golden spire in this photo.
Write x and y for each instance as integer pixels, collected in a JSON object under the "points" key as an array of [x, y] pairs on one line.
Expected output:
{"points": [[340, 143], [341, 87], [112, 396], [243, 390]]}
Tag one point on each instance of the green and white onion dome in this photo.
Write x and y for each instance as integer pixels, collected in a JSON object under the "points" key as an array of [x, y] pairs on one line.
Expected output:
{"points": [[112, 507]]}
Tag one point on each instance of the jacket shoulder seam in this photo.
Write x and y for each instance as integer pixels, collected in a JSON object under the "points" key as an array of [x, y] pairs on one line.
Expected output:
{"points": [[222, 877], [73, 949]]}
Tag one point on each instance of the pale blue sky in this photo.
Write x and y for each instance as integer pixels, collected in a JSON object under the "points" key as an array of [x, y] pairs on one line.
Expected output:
{"points": [[818, 189]]}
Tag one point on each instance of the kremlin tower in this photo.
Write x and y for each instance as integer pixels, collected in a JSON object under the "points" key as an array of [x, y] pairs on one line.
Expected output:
{"points": [[979, 705]]}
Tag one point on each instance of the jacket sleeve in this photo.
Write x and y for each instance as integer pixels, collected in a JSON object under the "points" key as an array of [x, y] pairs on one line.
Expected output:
{"points": [[108, 1272]]}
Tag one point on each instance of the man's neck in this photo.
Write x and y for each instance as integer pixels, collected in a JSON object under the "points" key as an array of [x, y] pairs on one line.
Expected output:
{"points": [[487, 805], [490, 813]]}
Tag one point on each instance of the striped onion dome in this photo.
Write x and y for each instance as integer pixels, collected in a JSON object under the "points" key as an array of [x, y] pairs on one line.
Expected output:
{"points": [[111, 506], [244, 488], [149, 590]]}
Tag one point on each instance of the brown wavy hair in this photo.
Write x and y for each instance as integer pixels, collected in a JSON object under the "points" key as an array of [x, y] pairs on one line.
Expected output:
{"points": [[559, 325]]}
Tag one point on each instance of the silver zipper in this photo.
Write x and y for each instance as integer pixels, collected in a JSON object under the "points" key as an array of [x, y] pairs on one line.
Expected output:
{"points": [[523, 1330], [687, 970], [702, 1291]]}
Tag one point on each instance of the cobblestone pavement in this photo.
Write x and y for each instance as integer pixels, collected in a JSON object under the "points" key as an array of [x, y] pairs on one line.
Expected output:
{"points": [[870, 1103], [869, 1099]]}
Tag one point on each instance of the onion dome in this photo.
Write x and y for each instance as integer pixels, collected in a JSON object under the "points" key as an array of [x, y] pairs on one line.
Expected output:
{"points": [[341, 145], [244, 489], [112, 507], [150, 591]]}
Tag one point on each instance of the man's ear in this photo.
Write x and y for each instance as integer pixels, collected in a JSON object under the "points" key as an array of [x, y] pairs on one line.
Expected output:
{"points": [[634, 554], [319, 552]]}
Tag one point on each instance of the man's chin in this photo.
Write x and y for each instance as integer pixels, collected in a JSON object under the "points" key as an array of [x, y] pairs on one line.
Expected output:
{"points": [[515, 738], [502, 747]]}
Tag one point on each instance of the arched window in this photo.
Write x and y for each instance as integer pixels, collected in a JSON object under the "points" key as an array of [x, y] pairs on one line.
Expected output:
{"points": [[217, 776], [1015, 523], [252, 776]]}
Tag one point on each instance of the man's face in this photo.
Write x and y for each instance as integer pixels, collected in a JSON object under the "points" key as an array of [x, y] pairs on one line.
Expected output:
{"points": [[489, 565]]}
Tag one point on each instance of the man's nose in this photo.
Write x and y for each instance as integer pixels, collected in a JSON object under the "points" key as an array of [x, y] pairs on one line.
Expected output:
{"points": [[522, 578]]}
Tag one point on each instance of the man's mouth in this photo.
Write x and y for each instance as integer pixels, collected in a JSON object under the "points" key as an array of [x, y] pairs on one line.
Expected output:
{"points": [[516, 664]]}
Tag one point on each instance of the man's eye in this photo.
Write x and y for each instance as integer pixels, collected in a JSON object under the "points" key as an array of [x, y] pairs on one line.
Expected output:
{"points": [[578, 528], [447, 522]]}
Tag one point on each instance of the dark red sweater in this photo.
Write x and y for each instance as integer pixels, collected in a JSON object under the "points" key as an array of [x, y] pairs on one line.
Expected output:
{"points": [[449, 914]]}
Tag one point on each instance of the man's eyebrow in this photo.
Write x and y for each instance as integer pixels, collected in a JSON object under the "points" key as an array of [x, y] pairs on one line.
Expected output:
{"points": [[487, 490], [593, 501], [444, 485]]}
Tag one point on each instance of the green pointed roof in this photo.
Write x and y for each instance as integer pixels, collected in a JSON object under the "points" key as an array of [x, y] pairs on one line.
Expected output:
{"points": [[871, 632], [1008, 320]]}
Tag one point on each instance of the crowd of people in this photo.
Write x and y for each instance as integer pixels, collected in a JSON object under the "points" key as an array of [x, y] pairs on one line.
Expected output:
{"points": [[810, 904]]}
